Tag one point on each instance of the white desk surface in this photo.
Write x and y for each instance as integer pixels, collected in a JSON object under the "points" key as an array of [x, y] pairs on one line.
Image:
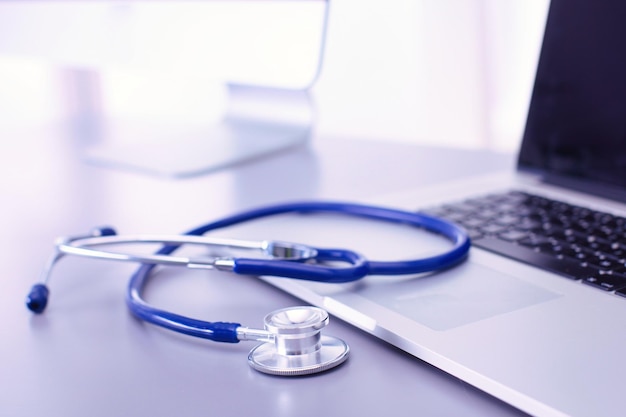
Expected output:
{"points": [[88, 356]]}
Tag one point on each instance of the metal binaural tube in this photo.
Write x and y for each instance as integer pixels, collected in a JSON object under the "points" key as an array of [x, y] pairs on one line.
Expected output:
{"points": [[82, 246]]}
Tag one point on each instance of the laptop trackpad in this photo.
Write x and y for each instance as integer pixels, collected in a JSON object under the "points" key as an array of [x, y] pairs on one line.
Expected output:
{"points": [[455, 297]]}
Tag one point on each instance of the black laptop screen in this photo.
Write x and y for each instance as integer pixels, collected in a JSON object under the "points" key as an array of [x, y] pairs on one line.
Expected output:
{"points": [[576, 127]]}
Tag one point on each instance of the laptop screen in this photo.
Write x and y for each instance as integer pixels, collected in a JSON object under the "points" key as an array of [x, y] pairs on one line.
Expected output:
{"points": [[576, 128]]}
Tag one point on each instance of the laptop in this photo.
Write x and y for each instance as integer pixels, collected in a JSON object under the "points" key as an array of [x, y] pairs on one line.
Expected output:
{"points": [[537, 314]]}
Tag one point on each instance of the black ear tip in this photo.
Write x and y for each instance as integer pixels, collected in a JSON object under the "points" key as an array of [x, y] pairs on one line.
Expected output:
{"points": [[37, 298], [104, 231]]}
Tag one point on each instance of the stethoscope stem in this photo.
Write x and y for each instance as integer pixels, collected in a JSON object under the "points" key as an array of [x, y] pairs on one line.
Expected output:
{"points": [[255, 335]]}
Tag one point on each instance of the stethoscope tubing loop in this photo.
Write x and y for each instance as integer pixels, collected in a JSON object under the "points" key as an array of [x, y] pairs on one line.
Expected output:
{"points": [[458, 237], [227, 332]]}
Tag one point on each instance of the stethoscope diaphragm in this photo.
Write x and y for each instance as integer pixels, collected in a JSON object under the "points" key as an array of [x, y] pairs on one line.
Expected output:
{"points": [[298, 348]]}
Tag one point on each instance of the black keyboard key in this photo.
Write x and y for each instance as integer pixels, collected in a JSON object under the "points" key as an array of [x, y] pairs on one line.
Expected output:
{"points": [[604, 263], [507, 220], [566, 267], [492, 229], [472, 223], [607, 282], [533, 241], [513, 235], [528, 224]]}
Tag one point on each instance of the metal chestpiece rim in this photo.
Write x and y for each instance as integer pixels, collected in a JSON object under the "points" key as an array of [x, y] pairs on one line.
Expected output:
{"points": [[298, 347]]}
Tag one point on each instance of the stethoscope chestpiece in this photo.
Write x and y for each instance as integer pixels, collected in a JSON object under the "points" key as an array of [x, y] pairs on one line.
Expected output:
{"points": [[298, 347]]}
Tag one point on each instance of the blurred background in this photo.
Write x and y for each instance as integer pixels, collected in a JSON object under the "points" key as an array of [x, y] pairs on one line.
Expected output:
{"points": [[453, 73]]}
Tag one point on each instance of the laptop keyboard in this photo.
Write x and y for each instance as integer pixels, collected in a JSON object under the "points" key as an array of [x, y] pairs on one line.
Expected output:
{"points": [[572, 241]]}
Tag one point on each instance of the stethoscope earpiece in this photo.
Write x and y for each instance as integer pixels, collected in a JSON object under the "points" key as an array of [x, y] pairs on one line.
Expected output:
{"points": [[37, 299], [298, 347]]}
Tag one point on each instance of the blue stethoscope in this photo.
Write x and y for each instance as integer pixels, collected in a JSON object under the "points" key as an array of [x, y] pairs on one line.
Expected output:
{"points": [[292, 342]]}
